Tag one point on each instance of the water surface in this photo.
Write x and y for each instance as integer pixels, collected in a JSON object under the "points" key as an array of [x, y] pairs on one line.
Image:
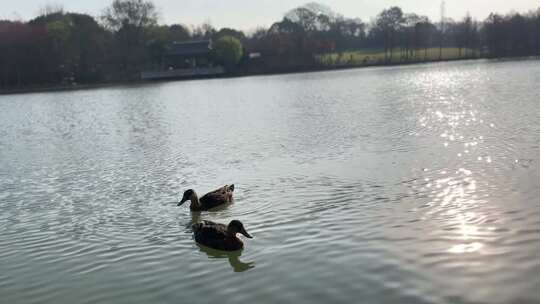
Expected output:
{"points": [[414, 184]]}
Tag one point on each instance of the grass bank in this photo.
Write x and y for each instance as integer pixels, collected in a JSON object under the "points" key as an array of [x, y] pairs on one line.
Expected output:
{"points": [[399, 56]]}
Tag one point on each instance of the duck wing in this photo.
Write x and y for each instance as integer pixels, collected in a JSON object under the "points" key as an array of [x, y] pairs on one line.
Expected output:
{"points": [[207, 230], [217, 197]]}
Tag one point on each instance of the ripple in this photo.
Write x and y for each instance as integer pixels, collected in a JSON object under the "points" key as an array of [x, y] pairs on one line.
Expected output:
{"points": [[397, 185]]}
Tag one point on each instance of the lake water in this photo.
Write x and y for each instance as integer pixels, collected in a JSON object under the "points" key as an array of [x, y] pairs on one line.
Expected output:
{"points": [[415, 184]]}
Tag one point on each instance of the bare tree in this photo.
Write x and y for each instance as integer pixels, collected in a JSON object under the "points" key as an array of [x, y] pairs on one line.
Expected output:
{"points": [[130, 13]]}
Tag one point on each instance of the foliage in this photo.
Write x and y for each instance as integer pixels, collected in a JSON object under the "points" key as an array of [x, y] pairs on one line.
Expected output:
{"points": [[387, 25], [130, 22], [59, 47], [229, 32], [228, 50], [130, 13]]}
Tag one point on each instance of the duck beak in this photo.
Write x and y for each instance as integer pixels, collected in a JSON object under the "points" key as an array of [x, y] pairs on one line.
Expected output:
{"points": [[182, 202], [244, 232]]}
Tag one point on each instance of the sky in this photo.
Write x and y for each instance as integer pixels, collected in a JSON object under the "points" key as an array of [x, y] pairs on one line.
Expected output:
{"points": [[249, 14]]}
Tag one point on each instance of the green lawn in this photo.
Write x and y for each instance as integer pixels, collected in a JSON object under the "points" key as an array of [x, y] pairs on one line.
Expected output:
{"points": [[371, 57]]}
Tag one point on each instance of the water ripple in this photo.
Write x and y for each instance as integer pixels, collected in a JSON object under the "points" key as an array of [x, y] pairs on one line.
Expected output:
{"points": [[394, 185]]}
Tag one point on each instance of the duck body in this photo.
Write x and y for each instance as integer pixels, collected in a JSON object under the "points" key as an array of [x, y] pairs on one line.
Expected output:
{"points": [[216, 198], [221, 196], [220, 236]]}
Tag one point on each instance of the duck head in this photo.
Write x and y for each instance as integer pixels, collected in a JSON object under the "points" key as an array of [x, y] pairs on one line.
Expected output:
{"points": [[189, 195], [237, 227]]}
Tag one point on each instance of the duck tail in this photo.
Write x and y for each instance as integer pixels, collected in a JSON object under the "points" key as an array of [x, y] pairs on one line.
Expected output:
{"points": [[231, 187]]}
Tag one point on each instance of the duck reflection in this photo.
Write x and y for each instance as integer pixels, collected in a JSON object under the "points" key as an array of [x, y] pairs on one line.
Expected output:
{"points": [[233, 257]]}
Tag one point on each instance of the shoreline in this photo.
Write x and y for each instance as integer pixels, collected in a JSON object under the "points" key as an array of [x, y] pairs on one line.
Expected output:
{"points": [[277, 71], [65, 88]]}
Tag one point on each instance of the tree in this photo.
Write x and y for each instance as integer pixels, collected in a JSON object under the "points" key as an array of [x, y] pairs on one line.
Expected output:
{"points": [[72, 49], [90, 44], [410, 33], [464, 33], [286, 26], [57, 46], [229, 32], [228, 51], [130, 13], [159, 37], [307, 19], [517, 34], [536, 31], [312, 17], [347, 33], [495, 35], [178, 32], [130, 20], [424, 35], [389, 23], [18, 49], [204, 31]]}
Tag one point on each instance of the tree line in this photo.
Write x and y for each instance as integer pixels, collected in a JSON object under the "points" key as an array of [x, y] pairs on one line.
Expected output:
{"points": [[60, 47]]}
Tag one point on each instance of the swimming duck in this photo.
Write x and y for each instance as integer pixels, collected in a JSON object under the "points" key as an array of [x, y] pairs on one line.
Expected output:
{"points": [[221, 196], [220, 237]]}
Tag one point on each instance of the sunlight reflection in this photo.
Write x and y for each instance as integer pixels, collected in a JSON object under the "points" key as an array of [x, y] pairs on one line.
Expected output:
{"points": [[466, 248], [456, 192], [457, 199]]}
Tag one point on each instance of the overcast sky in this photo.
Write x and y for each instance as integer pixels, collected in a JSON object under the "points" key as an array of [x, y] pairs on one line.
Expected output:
{"points": [[248, 14]]}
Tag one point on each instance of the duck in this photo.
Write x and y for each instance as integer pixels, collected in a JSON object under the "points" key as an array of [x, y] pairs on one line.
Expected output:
{"points": [[221, 196], [219, 236]]}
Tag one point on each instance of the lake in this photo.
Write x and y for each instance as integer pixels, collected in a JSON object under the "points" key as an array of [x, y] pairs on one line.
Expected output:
{"points": [[413, 184]]}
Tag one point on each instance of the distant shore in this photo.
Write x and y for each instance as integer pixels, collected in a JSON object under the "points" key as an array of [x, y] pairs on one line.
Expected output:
{"points": [[276, 71], [62, 87]]}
